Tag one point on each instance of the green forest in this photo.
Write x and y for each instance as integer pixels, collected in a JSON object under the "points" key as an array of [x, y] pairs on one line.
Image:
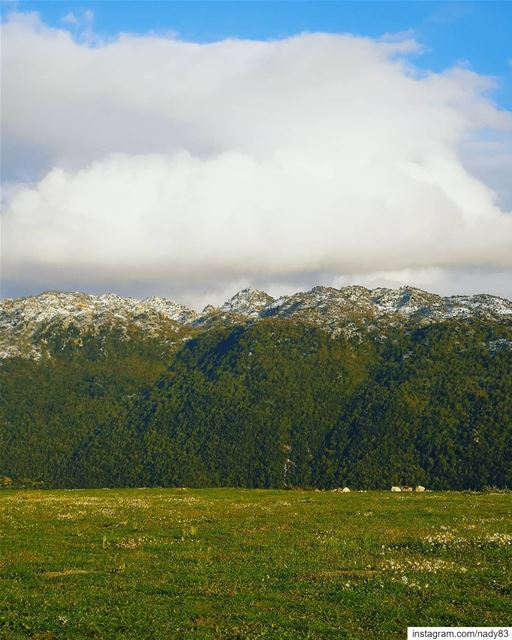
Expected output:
{"points": [[275, 403]]}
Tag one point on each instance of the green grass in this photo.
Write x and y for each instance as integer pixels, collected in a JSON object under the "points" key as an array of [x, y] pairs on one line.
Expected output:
{"points": [[231, 563]]}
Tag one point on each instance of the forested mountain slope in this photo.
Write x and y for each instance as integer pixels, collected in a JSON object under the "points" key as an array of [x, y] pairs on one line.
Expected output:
{"points": [[324, 388]]}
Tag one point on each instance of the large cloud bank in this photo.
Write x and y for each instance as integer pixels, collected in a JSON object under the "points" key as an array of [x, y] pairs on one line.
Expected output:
{"points": [[152, 164]]}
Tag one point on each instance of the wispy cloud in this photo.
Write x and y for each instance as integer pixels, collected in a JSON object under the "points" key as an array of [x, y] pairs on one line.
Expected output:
{"points": [[450, 13], [81, 25], [69, 18]]}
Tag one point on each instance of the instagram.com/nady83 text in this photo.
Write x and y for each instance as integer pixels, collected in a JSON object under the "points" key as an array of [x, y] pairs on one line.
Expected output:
{"points": [[436, 633]]}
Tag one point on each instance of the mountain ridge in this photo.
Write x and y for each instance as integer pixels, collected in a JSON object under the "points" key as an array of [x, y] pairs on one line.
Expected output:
{"points": [[349, 310]]}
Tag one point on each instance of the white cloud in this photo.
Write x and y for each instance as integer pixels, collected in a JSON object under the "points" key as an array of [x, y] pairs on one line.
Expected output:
{"points": [[154, 159], [69, 18], [82, 26]]}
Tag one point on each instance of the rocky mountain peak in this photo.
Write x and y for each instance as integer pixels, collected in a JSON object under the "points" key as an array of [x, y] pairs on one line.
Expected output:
{"points": [[248, 302], [405, 300], [177, 312], [209, 309]]}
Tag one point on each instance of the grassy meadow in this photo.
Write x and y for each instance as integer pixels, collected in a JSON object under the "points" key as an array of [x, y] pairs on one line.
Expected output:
{"points": [[231, 563]]}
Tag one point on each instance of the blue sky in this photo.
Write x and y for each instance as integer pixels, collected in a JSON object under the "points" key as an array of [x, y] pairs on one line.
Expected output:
{"points": [[478, 34]]}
